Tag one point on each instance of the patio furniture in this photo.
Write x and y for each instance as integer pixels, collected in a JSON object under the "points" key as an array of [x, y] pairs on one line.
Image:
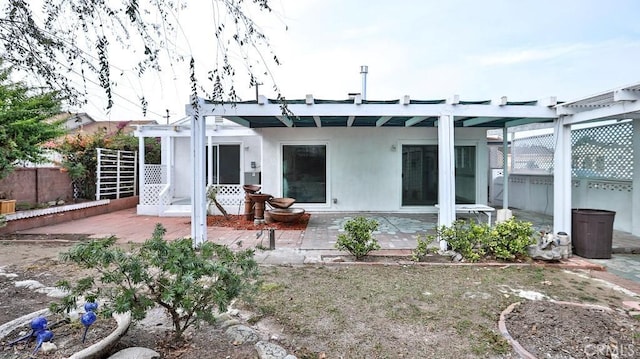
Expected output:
{"points": [[474, 209]]}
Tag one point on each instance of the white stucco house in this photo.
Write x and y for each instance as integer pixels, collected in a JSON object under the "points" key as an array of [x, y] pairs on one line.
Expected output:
{"points": [[359, 155]]}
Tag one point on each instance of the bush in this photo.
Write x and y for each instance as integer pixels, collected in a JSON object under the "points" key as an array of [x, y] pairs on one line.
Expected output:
{"points": [[508, 240], [189, 283], [358, 239], [422, 248], [466, 238]]}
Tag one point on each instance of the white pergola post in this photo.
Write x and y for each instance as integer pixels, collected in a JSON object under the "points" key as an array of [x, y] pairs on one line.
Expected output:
{"points": [[635, 180], [446, 174], [198, 197], [505, 168], [142, 179], [562, 177]]}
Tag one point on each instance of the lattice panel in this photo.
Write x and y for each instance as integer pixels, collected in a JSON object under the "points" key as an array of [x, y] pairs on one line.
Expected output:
{"points": [[603, 152], [517, 179], [496, 157], [610, 186], [155, 174], [532, 154], [151, 193], [230, 195]]}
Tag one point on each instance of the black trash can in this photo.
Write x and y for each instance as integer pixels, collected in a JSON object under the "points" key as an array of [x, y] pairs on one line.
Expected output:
{"points": [[592, 232]]}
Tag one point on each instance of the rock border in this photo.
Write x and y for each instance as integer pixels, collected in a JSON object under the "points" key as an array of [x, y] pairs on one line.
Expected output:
{"points": [[97, 350]]}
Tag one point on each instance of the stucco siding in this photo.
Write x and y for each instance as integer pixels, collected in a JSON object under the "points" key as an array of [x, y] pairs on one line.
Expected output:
{"points": [[364, 164]]}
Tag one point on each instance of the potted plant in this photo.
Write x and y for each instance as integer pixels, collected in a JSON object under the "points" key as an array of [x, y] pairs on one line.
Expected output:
{"points": [[7, 205]]}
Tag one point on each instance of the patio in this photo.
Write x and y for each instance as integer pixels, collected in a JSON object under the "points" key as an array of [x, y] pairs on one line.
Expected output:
{"points": [[397, 231]]}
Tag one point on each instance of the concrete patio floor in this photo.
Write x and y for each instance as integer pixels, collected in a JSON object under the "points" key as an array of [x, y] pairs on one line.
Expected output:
{"points": [[397, 236]]}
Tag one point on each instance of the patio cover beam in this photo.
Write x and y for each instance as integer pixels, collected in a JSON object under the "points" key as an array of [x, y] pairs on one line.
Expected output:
{"points": [[239, 120], [382, 120], [477, 121], [350, 121], [617, 110], [375, 109], [286, 120], [414, 120]]}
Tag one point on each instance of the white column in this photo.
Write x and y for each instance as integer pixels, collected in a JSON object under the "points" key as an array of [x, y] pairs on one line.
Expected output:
{"points": [[505, 168], [446, 173], [141, 170], [198, 197], [562, 177], [635, 180]]}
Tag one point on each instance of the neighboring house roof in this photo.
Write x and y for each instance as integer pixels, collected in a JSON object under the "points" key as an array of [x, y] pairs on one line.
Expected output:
{"points": [[109, 126]]}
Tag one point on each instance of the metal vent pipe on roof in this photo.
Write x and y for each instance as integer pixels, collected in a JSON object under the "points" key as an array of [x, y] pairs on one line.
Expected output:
{"points": [[364, 69]]}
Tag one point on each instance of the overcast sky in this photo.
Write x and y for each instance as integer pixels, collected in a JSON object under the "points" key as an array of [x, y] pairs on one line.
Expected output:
{"points": [[428, 49]]}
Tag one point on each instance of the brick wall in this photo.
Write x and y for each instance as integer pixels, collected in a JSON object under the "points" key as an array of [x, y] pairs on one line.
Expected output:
{"points": [[37, 185]]}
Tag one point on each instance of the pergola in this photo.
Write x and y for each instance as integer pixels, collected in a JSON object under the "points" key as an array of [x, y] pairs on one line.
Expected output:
{"points": [[446, 115], [618, 104]]}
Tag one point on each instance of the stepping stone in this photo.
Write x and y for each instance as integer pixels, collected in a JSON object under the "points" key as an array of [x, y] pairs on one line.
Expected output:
{"points": [[632, 304]]}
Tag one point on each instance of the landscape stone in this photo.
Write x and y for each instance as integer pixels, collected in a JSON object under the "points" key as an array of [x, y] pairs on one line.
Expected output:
{"points": [[240, 334], [48, 347], [136, 353], [268, 350]]}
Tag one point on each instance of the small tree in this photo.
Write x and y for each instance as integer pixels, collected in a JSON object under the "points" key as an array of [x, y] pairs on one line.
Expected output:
{"points": [[358, 239], [23, 128], [190, 284]]}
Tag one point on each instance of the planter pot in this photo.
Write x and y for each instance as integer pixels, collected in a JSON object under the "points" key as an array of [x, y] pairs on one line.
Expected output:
{"points": [[7, 206], [97, 350]]}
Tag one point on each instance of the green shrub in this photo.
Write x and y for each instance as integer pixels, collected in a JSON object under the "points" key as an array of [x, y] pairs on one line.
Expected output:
{"points": [[189, 283], [466, 238], [508, 240], [422, 248], [358, 239]]}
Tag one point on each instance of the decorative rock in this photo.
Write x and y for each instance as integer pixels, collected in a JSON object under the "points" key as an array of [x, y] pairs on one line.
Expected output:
{"points": [[48, 347], [29, 284], [136, 353], [268, 350], [229, 323], [291, 356], [240, 334]]}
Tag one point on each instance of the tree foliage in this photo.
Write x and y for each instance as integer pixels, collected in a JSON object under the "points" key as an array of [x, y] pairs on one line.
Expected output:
{"points": [[23, 128], [189, 283], [70, 44], [79, 154]]}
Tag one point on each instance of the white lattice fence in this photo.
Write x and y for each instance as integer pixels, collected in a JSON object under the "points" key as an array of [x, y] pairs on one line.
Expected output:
{"points": [[116, 174], [151, 194], [230, 196], [603, 152]]}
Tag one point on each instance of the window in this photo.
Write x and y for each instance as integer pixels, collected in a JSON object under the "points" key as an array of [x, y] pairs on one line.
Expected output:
{"points": [[224, 164], [304, 173], [420, 174]]}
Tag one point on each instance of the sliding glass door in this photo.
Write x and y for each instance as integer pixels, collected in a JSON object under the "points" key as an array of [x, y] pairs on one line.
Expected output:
{"points": [[420, 174]]}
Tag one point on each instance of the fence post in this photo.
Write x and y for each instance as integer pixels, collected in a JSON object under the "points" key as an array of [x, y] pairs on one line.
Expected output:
{"points": [[98, 173]]}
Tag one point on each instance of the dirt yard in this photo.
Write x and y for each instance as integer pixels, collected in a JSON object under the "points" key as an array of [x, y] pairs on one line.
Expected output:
{"points": [[376, 311]]}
